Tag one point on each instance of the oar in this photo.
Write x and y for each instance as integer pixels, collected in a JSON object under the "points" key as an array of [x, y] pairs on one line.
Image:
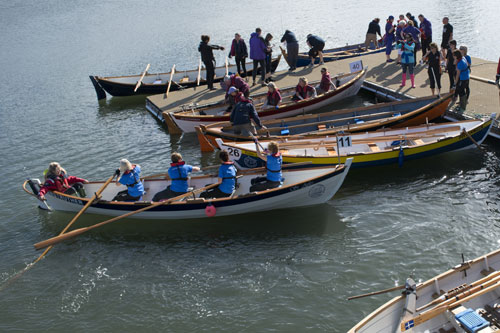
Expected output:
{"points": [[158, 175], [142, 77], [54, 240], [283, 52], [284, 166], [172, 72], [199, 74], [227, 66], [474, 141], [377, 292]]}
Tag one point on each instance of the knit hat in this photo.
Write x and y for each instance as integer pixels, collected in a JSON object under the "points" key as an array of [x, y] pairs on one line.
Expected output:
{"points": [[232, 90]]}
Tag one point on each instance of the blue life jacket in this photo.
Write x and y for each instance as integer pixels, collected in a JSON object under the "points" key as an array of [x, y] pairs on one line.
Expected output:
{"points": [[273, 166], [227, 172], [463, 67], [132, 180], [178, 172]]}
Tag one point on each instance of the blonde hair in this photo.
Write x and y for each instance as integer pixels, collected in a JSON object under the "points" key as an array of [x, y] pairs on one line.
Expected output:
{"points": [[176, 157], [304, 79], [272, 85], [410, 22], [125, 165], [52, 170], [273, 147]]}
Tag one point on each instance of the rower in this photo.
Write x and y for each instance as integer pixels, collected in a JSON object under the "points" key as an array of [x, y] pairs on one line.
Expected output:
{"points": [[130, 177], [303, 90], [227, 179], [56, 179], [178, 173], [273, 160]]}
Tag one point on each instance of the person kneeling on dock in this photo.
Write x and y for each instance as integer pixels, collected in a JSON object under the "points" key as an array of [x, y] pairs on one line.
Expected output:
{"points": [[178, 173], [56, 179], [241, 119], [303, 90], [237, 82], [227, 179], [130, 177], [273, 98], [273, 160]]}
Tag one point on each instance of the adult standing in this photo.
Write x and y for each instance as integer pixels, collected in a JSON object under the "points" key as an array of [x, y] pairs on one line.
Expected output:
{"points": [[425, 34], [434, 59], [269, 56], [461, 80], [241, 119], [412, 19], [316, 45], [390, 29], [451, 67], [258, 55], [497, 79], [400, 38], [447, 36], [463, 50], [207, 56], [292, 49], [239, 52], [415, 34], [373, 31]]}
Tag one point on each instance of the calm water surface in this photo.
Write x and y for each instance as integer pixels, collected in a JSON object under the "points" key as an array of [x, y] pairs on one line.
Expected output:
{"points": [[284, 271]]}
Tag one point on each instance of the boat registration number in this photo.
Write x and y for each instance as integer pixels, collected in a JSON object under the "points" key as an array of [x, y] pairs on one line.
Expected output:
{"points": [[233, 152], [345, 141]]}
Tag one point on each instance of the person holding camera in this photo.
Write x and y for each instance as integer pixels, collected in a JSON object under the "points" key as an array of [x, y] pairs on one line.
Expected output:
{"points": [[407, 59]]}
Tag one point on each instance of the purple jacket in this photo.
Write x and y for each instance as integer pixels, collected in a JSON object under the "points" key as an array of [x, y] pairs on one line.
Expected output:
{"points": [[257, 47], [426, 28]]}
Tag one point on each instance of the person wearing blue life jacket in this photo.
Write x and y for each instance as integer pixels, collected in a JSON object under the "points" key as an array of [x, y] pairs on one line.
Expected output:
{"points": [[407, 59], [461, 81], [130, 177], [463, 50], [273, 159], [178, 173], [227, 179]]}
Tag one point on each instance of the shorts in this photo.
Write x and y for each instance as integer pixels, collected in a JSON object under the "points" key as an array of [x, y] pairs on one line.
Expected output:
{"points": [[313, 52]]}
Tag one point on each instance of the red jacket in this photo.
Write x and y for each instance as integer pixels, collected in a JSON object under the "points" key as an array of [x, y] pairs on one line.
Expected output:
{"points": [[498, 68], [273, 98], [238, 83], [303, 91], [325, 82], [60, 183]]}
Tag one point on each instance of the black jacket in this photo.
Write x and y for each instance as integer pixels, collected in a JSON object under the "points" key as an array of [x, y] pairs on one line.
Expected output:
{"points": [[289, 37], [206, 51], [242, 114]]}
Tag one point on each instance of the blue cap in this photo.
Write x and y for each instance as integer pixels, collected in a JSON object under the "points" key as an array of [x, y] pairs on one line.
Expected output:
{"points": [[391, 17]]}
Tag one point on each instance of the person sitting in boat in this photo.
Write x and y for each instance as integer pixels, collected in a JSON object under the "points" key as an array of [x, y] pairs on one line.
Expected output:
{"points": [[273, 96], [56, 179], [304, 90], [227, 179], [130, 177], [178, 173], [234, 97], [273, 159], [241, 119], [326, 82], [237, 82]]}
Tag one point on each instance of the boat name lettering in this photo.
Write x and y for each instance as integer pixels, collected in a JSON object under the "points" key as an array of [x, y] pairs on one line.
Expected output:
{"points": [[317, 191], [71, 200]]}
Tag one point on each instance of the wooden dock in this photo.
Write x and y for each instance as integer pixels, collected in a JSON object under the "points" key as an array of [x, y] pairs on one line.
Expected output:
{"points": [[382, 78]]}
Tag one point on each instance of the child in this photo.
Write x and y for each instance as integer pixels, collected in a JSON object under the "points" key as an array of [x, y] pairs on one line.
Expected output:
{"points": [[407, 59], [273, 160], [227, 179]]}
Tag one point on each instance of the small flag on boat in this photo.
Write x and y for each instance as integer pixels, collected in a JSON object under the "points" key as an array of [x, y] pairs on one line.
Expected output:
{"points": [[409, 324]]}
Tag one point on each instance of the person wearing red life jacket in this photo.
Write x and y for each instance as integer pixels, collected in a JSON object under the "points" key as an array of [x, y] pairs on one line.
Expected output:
{"points": [[273, 98], [130, 177], [274, 160], [178, 173], [56, 179], [227, 179], [237, 82], [326, 83], [303, 90], [234, 97]]}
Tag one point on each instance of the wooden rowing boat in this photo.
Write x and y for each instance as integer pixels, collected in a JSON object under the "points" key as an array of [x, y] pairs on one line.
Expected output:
{"points": [[152, 84], [404, 113], [463, 299], [370, 148], [348, 85], [339, 53], [301, 187]]}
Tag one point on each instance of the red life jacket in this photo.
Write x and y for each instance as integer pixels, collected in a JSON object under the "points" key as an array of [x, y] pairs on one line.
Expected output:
{"points": [[273, 98], [303, 90], [61, 181]]}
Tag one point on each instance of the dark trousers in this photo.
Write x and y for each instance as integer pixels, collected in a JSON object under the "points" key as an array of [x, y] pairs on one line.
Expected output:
{"points": [[240, 64], [452, 72], [261, 184], [209, 66], [166, 194], [426, 45], [292, 50], [462, 87], [262, 63], [268, 63], [434, 72], [76, 189], [124, 196], [214, 193]]}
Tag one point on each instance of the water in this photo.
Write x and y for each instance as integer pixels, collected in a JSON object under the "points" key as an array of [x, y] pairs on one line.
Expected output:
{"points": [[285, 271]]}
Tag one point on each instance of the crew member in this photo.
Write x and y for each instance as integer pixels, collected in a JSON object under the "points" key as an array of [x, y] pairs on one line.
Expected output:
{"points": [[326, 82], [447, 36], [390, 29], [434, 60], [407, 61], [451, 67], [273, 98], [461, 81], [316, 45], [273, 160], [303, 90], [292, 49], [56, 179], [371, 34], [207, 56], [237, 82], [227, 179], [241, 119], [234, 97], [130, 177], [178, 173]]}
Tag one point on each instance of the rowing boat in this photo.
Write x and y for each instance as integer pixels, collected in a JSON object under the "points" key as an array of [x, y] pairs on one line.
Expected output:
{"points": [[300, 187], [463, 299], [152, 84], [397, 114], [339, 53], [370, 148], [188, 119]]}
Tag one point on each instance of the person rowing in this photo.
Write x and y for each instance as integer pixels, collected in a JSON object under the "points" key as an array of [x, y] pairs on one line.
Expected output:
{"points": [[273, 159], [56, 179], [227, 179], [130, 177]]}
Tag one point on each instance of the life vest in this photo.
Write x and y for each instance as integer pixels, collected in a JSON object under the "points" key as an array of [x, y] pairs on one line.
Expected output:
{"points": [[228, 163], [178, 164], [273, 98], [278, 154], [136, 181], [303, 90], [61, 179]]}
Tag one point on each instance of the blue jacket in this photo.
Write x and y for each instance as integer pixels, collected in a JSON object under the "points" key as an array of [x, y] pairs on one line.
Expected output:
{"points": [[407, 55], [389, 35], [257, 47], [414, 32], [227, 172], [426, 27], [179, 172], [289, 37], [132, 180], [273, 166], [463, 67], [243, 112]]}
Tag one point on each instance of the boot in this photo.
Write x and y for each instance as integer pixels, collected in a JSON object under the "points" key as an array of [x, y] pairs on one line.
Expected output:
{"points": [[463, 103], [403, 81], [412, 78]]}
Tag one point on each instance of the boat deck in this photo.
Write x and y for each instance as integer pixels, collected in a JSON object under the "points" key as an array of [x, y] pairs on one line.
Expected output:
{"points": [[383, 78]]}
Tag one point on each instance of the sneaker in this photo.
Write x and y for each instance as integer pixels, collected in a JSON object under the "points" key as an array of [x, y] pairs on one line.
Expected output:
{"points": [[322, 63], [389, 60]]}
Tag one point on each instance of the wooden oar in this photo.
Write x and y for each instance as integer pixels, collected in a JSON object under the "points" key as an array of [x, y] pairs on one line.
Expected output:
{"points": [[172, 72], [227, 66], [474, 141], [142, 77], [54, 240], [199, 74], [283, 52], [283, 166], [377, 292]]}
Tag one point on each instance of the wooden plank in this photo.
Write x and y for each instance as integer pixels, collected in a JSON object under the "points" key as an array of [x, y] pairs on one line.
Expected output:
{"points": [[172, 72], [142, 77]]}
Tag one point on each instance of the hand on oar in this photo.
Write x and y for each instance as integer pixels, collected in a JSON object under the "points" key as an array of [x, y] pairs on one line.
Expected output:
{"points": [[54, 240]]}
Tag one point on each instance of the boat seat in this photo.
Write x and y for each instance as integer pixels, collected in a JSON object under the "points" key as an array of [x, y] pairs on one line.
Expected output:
{"points": [[331, 151], [373, 147], [159, 81], [470, 320], [321, 127], [419, 142]]}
